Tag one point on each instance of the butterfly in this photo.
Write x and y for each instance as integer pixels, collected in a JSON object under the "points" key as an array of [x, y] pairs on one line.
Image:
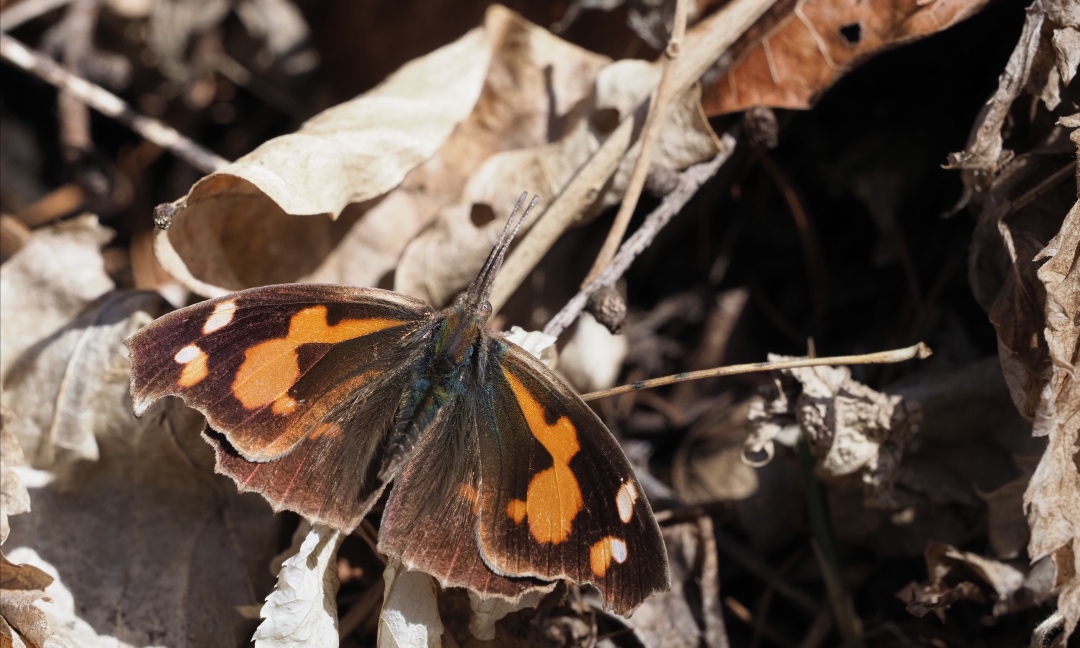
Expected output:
{"points": [[321, 397]]}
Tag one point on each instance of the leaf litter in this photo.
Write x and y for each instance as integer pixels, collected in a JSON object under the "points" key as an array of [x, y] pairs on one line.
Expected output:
{"points": [[957, 477]]}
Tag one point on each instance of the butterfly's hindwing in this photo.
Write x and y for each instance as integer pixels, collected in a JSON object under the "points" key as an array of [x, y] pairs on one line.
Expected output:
{"points": [[430, 520], [558, 497]]}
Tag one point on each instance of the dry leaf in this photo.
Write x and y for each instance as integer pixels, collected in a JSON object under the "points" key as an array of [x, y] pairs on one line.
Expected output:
{"points": [[678, 619], [593, 356], [54, 277], [486, 612], [538, 343], [851, 429], [1008, 527], [59, 608], [523, 110], [443, 259], [72, 387], [237, 228], [956, 575], [1052, 500], [410, 612], [709, 466], [21, 586], [14, 498], [150, 544], [302, 609], [799, 48], [1036, 310], [21, 620], [1044, 58], [21, 623]]}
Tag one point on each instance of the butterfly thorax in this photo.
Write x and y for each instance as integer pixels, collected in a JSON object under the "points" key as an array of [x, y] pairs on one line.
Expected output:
{"points": [[457, 336], [438, 378]]}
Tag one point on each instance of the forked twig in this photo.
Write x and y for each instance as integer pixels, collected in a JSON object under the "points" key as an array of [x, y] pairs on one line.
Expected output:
{"points": [[689, 182], [918, 351], [704, 45], [649, 135], [109, 104]]}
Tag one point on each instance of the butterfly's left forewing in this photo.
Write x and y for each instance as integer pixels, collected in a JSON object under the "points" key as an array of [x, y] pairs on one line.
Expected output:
{"points": [[558, 497], [299, 384]]}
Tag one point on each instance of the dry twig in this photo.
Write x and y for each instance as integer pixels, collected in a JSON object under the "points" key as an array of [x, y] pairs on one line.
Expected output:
{"points": [[919, 351], [704, 45], [109, 104], [689, 182], [25, 11], [653, 123]]}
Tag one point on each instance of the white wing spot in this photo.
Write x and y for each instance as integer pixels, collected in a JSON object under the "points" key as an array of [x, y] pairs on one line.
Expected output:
{"points": [[624, 501], [220, 318], [618, 550], [187, 354]]}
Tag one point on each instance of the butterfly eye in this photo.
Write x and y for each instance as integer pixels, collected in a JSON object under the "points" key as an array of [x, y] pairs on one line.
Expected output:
{"points": [[485, 309]]}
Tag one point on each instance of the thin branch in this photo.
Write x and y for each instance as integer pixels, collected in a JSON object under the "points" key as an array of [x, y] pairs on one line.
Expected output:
{"points": [[704, 45], [916, 351], [650, 133], [689, 182], [75, 32], [109, 104], [25, 11]]}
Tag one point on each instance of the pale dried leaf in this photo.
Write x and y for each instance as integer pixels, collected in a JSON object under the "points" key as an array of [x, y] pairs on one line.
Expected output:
{"points": [[59, 608], [152, 546], [14, 498], [21, 587], [709, 465], [410, 612], [15, 576], [1008, 526], [793, 53], [677, 618], [302, 609], [593, 356], [1035, 67], [1066, 43], [854, 430], [1052, 500], [54, 277], [486, 612], [443, 259], [28, 622], [72, 387], [239, 228], [955, 575], [538, 343], [1034, 309]]}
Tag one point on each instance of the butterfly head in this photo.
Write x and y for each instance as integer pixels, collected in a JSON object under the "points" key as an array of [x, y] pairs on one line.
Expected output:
{"points": [[476, 296]]}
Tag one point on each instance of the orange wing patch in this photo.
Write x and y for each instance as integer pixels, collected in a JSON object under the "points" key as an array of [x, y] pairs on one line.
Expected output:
{"points": [[328, 430], [603, 552], [516, 510], [195, 368], [554, 496], [271, 368], [469, 493]]}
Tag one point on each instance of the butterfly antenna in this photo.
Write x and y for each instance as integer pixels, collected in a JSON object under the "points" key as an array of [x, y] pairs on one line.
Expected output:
{"points": [[502, 237], [481, 286]]}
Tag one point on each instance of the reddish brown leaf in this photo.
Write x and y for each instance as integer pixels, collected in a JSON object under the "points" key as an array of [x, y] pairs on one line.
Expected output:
{"points": [[801, 47]]}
